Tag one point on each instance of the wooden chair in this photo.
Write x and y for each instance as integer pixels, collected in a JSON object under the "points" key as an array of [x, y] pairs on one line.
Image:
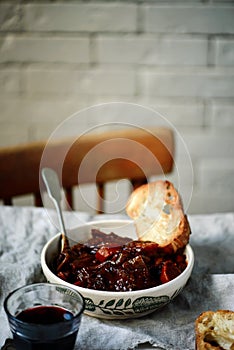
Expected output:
{"points": [[134, 154]]}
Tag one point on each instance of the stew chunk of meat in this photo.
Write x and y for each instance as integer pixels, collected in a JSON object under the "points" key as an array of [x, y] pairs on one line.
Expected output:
{"points": [[113, 263]]}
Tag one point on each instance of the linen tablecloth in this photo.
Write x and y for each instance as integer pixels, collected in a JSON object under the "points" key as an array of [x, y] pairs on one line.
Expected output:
{"points": [[25, 230]]}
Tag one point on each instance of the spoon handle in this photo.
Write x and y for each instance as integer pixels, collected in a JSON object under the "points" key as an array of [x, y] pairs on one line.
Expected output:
{"points": [[51, 181]]}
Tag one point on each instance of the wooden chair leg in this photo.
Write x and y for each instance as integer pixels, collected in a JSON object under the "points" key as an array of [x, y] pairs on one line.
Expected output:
{"points": [[69, 197], [7, 201], [38, 200], [137, 183]]}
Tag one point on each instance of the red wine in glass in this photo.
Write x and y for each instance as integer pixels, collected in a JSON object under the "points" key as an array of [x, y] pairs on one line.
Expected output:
{"points": [[50, 320]]}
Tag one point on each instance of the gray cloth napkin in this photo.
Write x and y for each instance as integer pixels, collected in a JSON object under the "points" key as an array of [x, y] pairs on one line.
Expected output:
{"points": [[171, 328], [210, 287]]}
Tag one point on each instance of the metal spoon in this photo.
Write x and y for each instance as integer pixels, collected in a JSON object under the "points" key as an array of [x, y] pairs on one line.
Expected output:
{"points": [[51, 181]]}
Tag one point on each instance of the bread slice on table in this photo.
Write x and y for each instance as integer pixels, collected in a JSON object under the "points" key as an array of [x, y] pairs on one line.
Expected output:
{"points": [[214, 330], [158, 214]]}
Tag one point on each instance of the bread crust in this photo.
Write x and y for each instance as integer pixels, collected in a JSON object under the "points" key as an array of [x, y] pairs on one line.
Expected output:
{"points": [[158, 214], [214, 330]]}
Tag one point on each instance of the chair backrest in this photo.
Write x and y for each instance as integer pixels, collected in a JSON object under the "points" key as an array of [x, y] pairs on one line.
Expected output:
{"points": [[133, 154]]}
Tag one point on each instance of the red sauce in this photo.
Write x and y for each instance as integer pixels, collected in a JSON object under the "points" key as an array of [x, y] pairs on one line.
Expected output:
{"points": [[113, 263]]}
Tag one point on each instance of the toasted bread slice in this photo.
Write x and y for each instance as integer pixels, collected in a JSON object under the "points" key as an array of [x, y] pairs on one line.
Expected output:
{"points": [[215, 330], [157, 211]]}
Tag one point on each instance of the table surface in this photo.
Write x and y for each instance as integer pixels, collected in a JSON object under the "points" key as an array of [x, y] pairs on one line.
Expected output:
{"points": [[25, 230]]}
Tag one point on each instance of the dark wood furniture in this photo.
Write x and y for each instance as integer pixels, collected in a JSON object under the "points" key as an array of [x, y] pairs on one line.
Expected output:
{"points": [[132, 153]]}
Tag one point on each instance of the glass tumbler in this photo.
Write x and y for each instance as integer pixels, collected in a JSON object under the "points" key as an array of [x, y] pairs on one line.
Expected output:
{"points": [[44, 316]]}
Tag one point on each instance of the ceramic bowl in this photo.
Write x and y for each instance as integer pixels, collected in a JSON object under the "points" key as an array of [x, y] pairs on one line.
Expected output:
{"points": [[116, 305]]}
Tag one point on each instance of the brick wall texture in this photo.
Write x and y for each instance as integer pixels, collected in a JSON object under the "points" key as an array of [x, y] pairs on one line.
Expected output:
{"points": [[176, 57]]}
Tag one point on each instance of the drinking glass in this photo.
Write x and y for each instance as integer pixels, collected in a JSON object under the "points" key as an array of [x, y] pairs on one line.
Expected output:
{"points": [[44, 316]]}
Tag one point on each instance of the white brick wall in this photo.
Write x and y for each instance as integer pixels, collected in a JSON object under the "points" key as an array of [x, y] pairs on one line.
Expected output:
{"points": [[222, 115], [205, 82], [66, 82], [151, 50], [16, 48], [176, 57], [10, 81], [87, 17], [192, 18], [224, 49]]}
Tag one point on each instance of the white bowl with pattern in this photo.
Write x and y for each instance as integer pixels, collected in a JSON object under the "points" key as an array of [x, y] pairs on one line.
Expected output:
{"points": [[116, 305]]}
